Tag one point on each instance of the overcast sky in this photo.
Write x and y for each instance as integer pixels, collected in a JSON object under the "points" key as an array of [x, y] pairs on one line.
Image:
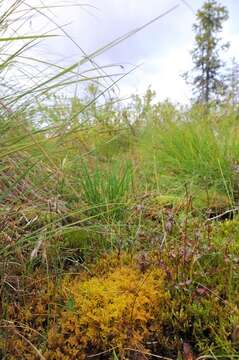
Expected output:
{"points": [[162, 49]]}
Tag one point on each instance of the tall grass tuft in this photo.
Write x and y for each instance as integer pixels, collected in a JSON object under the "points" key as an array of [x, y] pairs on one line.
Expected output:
{"points": [[199, 153], [107, 189]]}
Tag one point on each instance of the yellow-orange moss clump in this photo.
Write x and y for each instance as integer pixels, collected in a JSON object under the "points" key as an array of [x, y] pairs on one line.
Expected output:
{"points": [[120, 304], [117, 310], [88, 314]]}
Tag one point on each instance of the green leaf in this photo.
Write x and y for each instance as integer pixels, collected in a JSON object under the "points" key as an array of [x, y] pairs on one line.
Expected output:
{"points": [[70, 304]]}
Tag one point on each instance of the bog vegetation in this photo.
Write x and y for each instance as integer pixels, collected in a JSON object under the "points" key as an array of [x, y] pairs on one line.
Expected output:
{"points": [[119, 228]]}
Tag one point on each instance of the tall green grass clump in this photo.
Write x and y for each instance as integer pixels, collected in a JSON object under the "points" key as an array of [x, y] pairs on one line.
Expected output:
{"points": [[199, 153], [106, 189]]}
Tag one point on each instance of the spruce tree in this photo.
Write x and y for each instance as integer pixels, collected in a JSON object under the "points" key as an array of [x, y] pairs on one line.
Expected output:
{"points": [[206, 75]]}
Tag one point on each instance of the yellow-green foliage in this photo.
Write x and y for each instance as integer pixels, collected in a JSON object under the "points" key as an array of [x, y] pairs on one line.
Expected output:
{"points": [[121, 308], [229, 227], [118, 303], [116, 310], [210, 199]]}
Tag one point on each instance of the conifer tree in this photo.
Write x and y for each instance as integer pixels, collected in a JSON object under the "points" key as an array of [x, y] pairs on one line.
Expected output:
{"points": [[207, 81]]}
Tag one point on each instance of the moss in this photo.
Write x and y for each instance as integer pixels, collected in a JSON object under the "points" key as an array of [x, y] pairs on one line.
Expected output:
{"points": [[162, 201], [81, 237], [110, 311], [210, 199], [92, 313], [118, 304]]}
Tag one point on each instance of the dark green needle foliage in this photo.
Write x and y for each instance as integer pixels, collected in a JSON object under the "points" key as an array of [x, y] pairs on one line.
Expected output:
{"points": [[206, 79]]}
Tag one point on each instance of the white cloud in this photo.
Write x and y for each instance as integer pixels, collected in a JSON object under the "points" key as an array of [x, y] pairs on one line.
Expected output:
{"points": [[163, 47], [164, 74]]}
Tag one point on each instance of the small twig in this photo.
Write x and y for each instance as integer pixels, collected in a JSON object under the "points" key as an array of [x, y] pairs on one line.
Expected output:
{"points": [[11, 324], [8, 110], [137, 295], [102, 353], [29, 343], [163, 240], [148, 354], [203, 357], [36, 249], [10, 285], [223, 214]]}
